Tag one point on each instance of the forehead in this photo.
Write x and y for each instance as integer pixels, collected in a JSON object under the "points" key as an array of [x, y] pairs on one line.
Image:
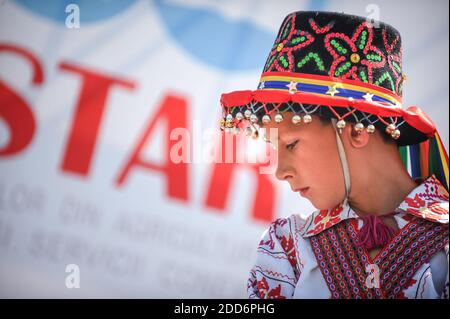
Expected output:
{"points": [[287, 130]]}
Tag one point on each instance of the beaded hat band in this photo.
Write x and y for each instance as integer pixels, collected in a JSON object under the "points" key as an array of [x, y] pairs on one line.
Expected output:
{"points": [[367, 106]]}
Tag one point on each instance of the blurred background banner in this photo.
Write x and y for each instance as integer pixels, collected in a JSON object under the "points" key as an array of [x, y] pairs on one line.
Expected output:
{"points": [[89, 94]]}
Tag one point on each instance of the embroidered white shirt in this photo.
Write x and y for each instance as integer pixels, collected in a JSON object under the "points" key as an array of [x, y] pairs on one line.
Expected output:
{"points": [[286, 266]]}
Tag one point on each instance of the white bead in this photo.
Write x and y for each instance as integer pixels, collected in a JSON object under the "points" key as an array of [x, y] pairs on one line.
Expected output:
{"points": [[239, 116], [278, 118], [247, 114], [253, 118], [266, 119], [229, 117], [296, 119], [307, 119]]}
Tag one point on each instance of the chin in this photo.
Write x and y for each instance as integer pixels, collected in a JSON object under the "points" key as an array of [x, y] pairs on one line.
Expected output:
{"points": [[324, 205]]}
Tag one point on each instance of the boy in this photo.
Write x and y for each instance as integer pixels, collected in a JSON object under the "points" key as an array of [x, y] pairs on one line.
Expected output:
{"points": [[332, 87]]}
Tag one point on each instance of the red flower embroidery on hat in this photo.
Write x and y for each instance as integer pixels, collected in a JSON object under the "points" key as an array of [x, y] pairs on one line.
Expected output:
{"points": [[288, 41], [356, 57], [394, 59], [320, 30]]}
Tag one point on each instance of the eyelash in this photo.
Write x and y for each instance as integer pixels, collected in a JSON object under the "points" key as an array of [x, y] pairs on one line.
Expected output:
{"points": [[292, 145]]}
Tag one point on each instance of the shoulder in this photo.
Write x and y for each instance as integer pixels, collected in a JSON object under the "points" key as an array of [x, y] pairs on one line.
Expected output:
{"points": [[284, 229], [279, 262], [289, 224], [283, 240]]}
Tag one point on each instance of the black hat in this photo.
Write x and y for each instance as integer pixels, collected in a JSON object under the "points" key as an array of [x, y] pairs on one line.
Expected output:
{"points": [[338, 66]]}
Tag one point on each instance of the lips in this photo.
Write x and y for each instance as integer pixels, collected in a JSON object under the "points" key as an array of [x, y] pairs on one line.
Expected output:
{"points": [[302, 191]]}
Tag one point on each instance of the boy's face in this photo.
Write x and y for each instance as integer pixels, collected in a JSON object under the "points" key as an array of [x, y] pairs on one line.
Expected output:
{"points": [[308, 158]]}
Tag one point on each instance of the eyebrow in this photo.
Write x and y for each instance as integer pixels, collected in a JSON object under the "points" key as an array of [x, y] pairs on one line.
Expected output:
{"points": [[286, 137]]}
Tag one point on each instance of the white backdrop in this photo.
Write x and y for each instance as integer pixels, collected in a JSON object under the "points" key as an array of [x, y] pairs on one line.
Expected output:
{"points": [[76, 104]]}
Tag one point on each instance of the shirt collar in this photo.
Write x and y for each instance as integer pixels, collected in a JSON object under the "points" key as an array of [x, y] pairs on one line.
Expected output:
{"points": [[429, 201]]}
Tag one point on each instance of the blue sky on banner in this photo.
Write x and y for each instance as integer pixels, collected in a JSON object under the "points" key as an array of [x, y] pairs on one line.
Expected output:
{"points": [[92, 10], [191, 27]]}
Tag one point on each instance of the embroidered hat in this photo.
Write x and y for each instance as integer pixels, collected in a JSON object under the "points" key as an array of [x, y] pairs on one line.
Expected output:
{"points": [[339, 66]]}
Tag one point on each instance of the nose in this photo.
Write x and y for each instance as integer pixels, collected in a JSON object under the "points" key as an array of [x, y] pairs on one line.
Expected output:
{"points": [[283, 172]]}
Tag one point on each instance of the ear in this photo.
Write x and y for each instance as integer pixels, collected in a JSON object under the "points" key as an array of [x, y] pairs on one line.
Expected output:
{"points": [[357, 139]]}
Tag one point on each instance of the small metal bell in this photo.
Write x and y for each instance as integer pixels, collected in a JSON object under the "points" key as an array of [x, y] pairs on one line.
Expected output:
{"points": [[247, 114], [390, 128], [307, 119], [229, 117], [278, 118], [296, 119], [340, 124], [359, 127], [266, 119], [395, 134], [370, 128], [239, 116]]}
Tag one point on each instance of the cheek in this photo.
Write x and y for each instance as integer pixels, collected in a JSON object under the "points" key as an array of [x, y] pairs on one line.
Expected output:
{"points": [[321, 162], [329, 164], [325, 175]]}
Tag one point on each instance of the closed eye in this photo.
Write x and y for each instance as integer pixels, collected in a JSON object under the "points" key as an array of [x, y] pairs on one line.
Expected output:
{"points": [[291, 145]]}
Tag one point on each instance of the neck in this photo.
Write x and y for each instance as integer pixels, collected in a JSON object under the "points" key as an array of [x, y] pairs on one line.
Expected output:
{"points": [[387, 188]]}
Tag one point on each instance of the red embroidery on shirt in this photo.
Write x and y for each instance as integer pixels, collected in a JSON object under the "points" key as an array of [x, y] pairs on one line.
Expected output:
{"points": [[265, 291], [415, 202]]}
